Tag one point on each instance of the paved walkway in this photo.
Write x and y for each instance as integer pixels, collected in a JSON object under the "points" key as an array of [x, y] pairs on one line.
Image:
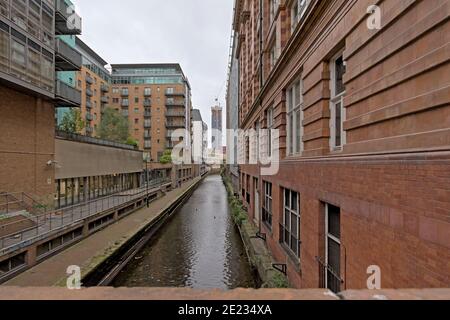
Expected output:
{"points": [[90, 251], [65, 216]]}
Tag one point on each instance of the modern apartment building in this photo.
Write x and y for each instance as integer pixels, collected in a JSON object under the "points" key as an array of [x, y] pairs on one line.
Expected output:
{"points": [[156, 98], [216, 128], [94, 82], [363, 115], [32, 48]]}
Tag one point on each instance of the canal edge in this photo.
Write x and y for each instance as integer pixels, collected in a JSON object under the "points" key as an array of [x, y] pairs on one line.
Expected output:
{"points": [[115, 257], [258, 255]]}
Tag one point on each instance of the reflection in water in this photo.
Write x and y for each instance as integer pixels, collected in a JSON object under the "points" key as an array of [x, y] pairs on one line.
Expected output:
{"points": [[199, 247]]}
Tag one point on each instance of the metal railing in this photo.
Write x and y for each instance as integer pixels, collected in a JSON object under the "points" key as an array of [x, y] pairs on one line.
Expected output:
{"points": [[13, 202], [86, 139], [329, 278], [53, 221]]}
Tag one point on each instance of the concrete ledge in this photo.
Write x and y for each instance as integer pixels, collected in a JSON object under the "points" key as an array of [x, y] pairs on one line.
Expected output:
{"points": [[107, 293]]}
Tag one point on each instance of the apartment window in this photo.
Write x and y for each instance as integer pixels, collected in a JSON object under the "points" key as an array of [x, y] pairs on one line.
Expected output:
{"points": [[125, 91], [136, 100], [125, 112], [295, 118], [136, 121], [273, 57], [332, 266], [267, 204], [147, 91], [170, 90], [4, 47], [115, 100], [290, 228], [298, 11], [274, 4], [338, 138], [115, 90], [18, 57], [79, 83], [270, 127], [136, 110]]}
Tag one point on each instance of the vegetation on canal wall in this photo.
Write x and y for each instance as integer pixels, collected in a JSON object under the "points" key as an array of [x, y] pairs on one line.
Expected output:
{"points": [[258, 254]]}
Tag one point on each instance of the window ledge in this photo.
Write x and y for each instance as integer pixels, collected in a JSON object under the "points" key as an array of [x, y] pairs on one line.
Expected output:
{"points": [[293, 259]]}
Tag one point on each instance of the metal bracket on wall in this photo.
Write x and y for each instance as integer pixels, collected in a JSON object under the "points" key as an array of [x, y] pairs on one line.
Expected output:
{"points": [[282, 267], [261, 236]]}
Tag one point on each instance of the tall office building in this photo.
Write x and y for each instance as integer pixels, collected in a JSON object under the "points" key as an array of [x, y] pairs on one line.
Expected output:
{"points": [[35, 41], [216, 128], [156, 98]]}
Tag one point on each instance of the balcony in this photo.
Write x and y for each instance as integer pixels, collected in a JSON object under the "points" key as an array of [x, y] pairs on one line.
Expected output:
{"points": [[89, 117], [66, 58], [67, 21], [170, 124], [124, 93], [175, 93], [66, 96], [147, 125], [147, 103], [89, 92], [104, 99], [104, 88], [125, 103], [175, 103], [88, 104], [147, 113], [147, 93], [89, 79], [175, 114]]}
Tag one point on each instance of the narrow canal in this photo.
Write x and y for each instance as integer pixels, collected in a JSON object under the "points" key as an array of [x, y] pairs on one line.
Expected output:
{"points": [[200, 247]]}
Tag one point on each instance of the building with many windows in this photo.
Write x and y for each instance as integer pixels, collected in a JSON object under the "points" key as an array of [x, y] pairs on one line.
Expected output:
{"points": [[35, 43], [216, 128], [94, 81], [364, 153], [156, 99]]}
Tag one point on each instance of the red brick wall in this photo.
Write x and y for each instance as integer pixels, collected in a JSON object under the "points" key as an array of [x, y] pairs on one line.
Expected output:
{"points": [[27, 143]]}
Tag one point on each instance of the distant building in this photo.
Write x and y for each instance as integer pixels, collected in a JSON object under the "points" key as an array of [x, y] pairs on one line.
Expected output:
{"points": [[216, 128], [156, 99], [200, 147]]}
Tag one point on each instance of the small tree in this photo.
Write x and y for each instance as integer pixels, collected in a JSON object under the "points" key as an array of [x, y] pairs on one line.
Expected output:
{"points": [[166, 157], [132, 142], [72, 121], [113, 127]]}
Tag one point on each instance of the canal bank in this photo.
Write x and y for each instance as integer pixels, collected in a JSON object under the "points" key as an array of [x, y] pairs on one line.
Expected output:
{"points": [[269, 271], [200, 247], [91, 252]]}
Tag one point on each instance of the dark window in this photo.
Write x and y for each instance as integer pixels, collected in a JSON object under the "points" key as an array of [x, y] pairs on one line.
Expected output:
{"points": [[267, 204], [290, 228]]}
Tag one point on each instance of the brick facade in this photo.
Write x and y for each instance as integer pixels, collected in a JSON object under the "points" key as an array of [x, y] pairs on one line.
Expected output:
{"points": [[24, 156], [391, 178]]}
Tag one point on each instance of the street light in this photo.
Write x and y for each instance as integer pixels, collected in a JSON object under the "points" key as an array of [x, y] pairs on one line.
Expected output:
{"points": [[146, 160]]}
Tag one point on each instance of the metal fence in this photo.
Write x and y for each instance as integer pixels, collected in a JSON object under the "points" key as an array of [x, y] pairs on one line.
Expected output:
{"points": [[329, 278], [14, 233], [92, 140]]}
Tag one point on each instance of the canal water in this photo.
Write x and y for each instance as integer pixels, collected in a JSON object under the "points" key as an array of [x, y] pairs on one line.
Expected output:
{"points": [[200, 247]]}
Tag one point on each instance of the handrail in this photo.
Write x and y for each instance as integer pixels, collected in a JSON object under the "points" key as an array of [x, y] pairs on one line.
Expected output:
{"points": [[67, 213]]}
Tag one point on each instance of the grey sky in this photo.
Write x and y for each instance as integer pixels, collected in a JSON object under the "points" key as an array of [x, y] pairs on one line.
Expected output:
{"points": [[194, 33]]}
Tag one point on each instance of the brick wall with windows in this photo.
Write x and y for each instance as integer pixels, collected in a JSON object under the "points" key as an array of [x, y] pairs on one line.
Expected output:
{"points": [[363, 117]]}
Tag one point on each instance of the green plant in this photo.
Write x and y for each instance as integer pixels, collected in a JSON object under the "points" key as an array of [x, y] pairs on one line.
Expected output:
{"points": [[132, 142], [278, 281], [72, 121], [166, 157], [114, 126]]}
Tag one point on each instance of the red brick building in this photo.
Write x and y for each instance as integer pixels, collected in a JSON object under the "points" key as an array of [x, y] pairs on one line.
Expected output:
{"points": [[364, 121]]}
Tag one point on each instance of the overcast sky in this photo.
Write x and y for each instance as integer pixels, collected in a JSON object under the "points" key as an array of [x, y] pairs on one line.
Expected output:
{"points": [[194, 33]]}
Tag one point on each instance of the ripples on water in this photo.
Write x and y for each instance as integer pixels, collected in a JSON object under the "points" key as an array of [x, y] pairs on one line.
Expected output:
{"points": [[199, 247]]}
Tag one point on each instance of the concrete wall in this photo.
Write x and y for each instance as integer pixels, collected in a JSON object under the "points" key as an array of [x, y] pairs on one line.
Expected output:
{"points": [[76, 159], [27, 135]]}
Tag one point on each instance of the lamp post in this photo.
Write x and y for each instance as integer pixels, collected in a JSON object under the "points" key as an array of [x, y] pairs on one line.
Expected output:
{"points": [[146, 159]]}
